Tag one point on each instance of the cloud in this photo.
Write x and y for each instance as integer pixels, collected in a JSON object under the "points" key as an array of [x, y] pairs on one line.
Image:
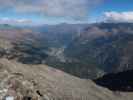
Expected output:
{"points": [[76, 9], [15, 21], [118, 16]]}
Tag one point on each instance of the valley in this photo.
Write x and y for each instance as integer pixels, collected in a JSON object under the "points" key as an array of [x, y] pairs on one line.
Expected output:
{"points": [[85, 67], [98, 50]]}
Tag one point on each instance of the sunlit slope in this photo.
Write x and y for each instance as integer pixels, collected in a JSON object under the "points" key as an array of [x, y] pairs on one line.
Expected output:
{"points": [[52, 83]]}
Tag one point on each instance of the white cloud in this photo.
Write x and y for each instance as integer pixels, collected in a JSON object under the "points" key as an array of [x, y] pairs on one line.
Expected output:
{"points": [[7, 20], [118, 16], [24, 21], [76, 9]]}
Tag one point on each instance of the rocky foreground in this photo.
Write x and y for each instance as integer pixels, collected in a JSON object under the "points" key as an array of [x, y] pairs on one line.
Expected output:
{"points": [[40, 82]]}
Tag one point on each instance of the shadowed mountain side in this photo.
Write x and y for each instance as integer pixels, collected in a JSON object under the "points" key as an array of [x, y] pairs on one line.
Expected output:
{"points": [[122, 81], [101, 48]]}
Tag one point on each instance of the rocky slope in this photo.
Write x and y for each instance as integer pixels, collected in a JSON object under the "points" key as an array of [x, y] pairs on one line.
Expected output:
{"points": [[40, 82]]}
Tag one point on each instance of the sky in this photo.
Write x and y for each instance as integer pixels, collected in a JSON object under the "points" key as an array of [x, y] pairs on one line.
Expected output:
{"points": [[37, 12]]}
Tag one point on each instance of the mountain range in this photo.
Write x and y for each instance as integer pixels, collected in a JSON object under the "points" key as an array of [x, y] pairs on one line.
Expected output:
{"points": [[90, 50], [95, 62]]}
